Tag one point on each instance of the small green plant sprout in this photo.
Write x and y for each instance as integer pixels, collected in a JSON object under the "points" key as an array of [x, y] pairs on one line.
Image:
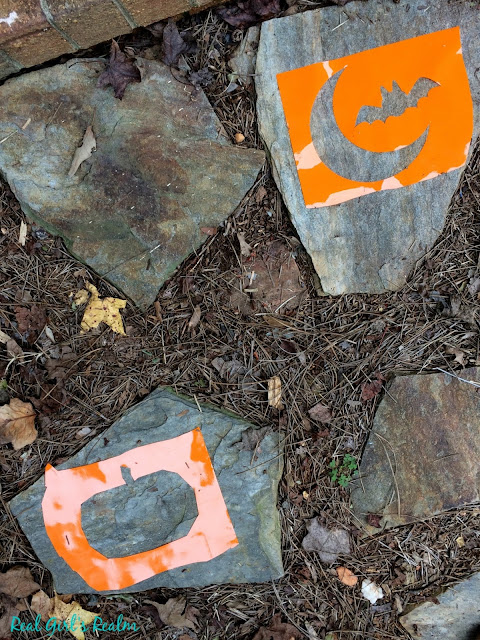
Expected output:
{"points": [[341, 473]]}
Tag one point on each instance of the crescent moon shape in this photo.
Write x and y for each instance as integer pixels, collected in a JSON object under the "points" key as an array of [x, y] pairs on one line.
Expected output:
{"points": [[343, 157]]}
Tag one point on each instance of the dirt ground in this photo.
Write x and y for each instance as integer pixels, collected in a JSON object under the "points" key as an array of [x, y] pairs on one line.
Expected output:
{"points": [[345, 340]]}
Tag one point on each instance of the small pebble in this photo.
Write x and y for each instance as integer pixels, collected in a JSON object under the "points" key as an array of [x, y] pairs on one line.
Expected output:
{"points": [[239, 137]]}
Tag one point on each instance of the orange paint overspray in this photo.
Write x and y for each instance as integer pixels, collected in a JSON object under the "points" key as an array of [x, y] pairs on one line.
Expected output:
{"points": [[211, 534], [446, 112]]}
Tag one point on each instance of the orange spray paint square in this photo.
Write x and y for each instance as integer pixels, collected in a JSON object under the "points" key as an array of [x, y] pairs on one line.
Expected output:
{"points": [[331, 106], [211, 534]]}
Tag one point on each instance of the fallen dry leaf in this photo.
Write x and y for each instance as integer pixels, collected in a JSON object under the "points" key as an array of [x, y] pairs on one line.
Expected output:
{"points": [[252, 437], [99, 310], [173, 44], [373, 519], [18, 582], [275, 393], [244, 13], [209, 231], [278, 630], [328, 543], [372, 389], [65, 613], [42, 605], [320, 412], [120, 72], [30, 321], [83, 152], [22, 236], [195, 319], [14, 350], [245, 248], [62, 366], [346, 576], [458, 353], [229, 369], [9, 608], [201, 78], [172, 613], [17, 424], [269, 282]]}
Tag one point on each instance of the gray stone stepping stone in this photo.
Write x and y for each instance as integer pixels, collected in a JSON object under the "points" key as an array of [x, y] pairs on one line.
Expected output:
{"points": [[455, 616], [368, 243], [423, 453], [138, 503], [163, 168]]}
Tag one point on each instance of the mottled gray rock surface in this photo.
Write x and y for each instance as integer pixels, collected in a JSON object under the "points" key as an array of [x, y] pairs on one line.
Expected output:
{"points": [[456, 616], [163, 168], [423, 453], [370, 243], [165, 505]]}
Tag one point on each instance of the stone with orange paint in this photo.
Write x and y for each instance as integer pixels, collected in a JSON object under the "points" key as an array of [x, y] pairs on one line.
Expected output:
{"points": [[368, 112], [133, 502]]}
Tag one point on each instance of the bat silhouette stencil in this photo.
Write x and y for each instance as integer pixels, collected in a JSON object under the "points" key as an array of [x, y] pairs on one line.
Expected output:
{"points": [[395, 102], [380, 119]]}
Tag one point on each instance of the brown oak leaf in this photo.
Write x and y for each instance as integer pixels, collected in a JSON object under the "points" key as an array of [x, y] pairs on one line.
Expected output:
{"points": [[17, 423], [278, 630], [120, 72], [172, 613], [17, 582]]}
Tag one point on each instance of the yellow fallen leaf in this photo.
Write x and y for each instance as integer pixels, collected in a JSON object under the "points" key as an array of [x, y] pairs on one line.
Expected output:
{"points": [[81, 297], [17, 423], [99, 310], [346, 576], [275, 393], [65, 612], [83, 152]]}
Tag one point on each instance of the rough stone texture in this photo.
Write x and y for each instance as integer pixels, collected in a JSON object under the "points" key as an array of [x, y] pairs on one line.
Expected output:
{"points": [[423, 453], [162, 170], [33, 31], [164, 503], [457, 614], [368, 244]]}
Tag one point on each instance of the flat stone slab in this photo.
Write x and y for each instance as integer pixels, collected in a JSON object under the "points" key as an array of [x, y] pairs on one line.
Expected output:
{"points": [[366, 111], [141, 518], [457, 614], [423, 453], [163, 168]]}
